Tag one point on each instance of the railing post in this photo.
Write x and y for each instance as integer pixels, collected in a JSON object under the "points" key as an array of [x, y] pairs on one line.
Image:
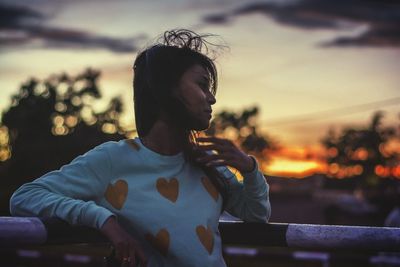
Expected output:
{"points": [[22, 230]]}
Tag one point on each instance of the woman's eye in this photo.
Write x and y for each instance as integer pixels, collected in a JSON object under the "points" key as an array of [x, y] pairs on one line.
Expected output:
{"points": [[204, 86]]}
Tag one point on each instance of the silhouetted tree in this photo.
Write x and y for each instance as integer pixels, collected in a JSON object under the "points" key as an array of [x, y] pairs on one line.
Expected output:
{"points": [[363, 153], [242, 127], [51, 122]]}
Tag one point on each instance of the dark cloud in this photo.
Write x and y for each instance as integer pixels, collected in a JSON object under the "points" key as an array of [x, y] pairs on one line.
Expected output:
{"points": [[375, 37], [216, 18], [290, 15], [381, 16], [13, 17], [21, 25]]}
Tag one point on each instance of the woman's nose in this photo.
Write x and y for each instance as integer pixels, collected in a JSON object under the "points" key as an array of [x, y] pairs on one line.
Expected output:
{"points": [[211, 98]]}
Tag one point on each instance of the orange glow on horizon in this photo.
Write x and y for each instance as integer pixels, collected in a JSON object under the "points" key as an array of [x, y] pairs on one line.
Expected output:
{"points": [[315, 152], [282, 166], [297, 162]]}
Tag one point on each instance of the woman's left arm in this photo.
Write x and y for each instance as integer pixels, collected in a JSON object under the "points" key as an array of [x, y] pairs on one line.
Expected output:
{"points": [[249, 200]]}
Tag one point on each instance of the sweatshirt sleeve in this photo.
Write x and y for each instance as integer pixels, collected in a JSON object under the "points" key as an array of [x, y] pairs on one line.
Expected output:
{"points": [[249, 200], [68, 193]]}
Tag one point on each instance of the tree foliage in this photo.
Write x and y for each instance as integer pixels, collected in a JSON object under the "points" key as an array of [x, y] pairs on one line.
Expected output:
{"points": [[242, 127], [364, 152], [49, 123]]}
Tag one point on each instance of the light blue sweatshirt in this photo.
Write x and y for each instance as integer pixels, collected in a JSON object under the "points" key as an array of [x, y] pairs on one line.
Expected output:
{"points": [[166, 203]]}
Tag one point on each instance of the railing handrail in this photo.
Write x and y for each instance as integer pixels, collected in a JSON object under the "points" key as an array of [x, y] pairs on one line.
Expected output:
{"points": [[19, 231]]}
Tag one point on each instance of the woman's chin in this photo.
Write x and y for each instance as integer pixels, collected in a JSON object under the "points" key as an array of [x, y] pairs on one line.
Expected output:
{"points": [[201, 125]]}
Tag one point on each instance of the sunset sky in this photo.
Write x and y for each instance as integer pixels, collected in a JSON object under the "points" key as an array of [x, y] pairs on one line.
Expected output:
{"points": [[308, 65]]}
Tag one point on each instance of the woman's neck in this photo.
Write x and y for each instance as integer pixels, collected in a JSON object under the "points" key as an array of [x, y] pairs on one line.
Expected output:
{"points": [[164, 139]]}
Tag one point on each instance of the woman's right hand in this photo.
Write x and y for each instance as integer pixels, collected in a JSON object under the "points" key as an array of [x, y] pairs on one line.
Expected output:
{"points": [[127, 249]]}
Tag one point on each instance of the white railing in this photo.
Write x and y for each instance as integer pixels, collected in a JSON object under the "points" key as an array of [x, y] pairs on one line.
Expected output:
{"points": [[18, 231]]}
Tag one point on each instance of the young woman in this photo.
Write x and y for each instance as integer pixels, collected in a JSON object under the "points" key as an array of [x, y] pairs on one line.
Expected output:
{"points": [[158, 197]]}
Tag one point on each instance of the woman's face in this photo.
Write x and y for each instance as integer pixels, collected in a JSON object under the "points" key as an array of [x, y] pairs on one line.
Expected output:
{"points": [[193, 91]]}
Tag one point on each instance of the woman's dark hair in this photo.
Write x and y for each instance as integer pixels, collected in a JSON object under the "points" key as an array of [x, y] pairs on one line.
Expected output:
{"points": [[157, 70]]}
